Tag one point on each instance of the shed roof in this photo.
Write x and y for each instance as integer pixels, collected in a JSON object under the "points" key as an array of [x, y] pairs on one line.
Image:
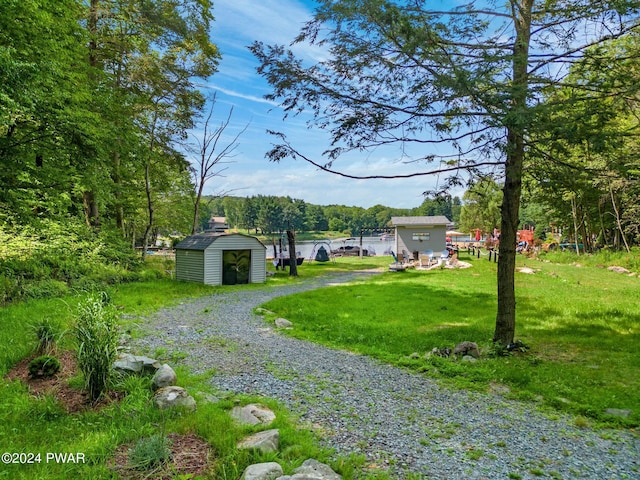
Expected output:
{"points": [[203, 240], [420, 221]]}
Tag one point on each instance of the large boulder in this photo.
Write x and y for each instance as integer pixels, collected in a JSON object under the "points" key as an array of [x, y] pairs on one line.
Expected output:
{"points": [[312, 470], [283, 323], [262, 471], [266, 441], [617, 269], [128, 363], [174, 397], [253, 414], [165, 376], [467, 348]]}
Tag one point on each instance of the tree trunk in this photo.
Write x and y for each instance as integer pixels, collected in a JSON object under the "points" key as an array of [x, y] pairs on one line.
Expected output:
{"points": [[196, 207], [88, 197], [117, 183], [618, 222], [574, 213], [90, 209], [275, 253], [506, 315], [150, 210], [293, 266]]}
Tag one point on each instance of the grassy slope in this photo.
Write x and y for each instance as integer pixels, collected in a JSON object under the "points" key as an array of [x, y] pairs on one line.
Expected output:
{"points": [[581, 323]]}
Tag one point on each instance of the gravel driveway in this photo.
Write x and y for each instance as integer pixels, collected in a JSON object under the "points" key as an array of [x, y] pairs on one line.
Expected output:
{"points": [[396, 418]]}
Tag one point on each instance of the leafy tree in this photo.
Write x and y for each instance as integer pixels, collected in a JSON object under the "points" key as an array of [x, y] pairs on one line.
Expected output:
{"points": [[442, 205], [293, 214], [47, 124], [315, 219], [481, 207], [148, 54], [585, 177], [269, 214], [472, 76]]}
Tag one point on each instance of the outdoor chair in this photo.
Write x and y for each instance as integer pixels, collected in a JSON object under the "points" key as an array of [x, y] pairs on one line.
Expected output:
{"points": [[444, 257], [397, 265], [426, 258]]}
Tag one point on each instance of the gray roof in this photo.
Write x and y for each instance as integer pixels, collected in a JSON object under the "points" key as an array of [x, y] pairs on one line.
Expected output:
{"points": [[202, 241], [418, 221]]}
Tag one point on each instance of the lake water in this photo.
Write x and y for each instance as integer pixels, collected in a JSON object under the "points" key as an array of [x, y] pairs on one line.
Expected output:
{"points": [[376, 245]]}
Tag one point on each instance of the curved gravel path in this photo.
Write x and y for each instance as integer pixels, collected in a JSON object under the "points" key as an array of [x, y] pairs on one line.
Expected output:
{"points": [[398, 419]]}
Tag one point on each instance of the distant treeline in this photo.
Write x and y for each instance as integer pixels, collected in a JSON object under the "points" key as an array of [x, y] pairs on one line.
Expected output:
{"points": [[270, 214]]}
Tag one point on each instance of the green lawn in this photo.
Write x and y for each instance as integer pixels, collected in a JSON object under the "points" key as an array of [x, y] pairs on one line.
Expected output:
{"points": [[581, 324], [40, 425]]}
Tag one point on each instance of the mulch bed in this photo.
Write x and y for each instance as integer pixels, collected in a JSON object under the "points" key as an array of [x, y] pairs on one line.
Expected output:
{"points": [[72, 399], [190, 455]]}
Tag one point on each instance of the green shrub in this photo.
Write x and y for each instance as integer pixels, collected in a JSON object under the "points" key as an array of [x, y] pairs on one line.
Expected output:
{"points": [[96, 333], [44, 366], [48, 288], [149, 452], [36, 260], [47, 332], [9, 288]]}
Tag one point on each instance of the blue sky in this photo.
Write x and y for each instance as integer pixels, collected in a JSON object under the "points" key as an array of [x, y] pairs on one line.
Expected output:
{"points": [[239, 23]]}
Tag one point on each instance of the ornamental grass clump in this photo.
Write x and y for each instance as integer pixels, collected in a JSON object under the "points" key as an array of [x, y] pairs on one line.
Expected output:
{"points": [[96, 334], [47, 332], [150, 452]]}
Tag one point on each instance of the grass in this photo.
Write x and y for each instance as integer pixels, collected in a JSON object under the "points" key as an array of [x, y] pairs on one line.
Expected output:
{"points": [[581, 323], [40, 425]]}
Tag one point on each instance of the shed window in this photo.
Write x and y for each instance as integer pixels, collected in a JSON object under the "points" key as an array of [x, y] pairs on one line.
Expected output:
{"points": [[420, 236]]}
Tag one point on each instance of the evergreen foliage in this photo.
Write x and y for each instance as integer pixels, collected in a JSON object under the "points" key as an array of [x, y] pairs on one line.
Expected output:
{"points": [[44, 366]]}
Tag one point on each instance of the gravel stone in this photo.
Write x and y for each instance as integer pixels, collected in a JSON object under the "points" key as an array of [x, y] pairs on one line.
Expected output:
{"points": [[399, 420]]}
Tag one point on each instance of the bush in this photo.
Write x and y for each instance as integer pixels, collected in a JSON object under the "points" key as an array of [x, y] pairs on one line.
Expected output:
{"points": [[96, 333], [36, 261], [48, 288], [44, 366], [149, 452], [9, 289]]}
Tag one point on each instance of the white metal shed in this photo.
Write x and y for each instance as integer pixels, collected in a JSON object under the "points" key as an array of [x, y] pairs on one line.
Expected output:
{"points": [[221, 259]]}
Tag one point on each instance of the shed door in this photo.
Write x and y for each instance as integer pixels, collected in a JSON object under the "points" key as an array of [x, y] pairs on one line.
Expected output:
{"points": [[236, 265]]}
